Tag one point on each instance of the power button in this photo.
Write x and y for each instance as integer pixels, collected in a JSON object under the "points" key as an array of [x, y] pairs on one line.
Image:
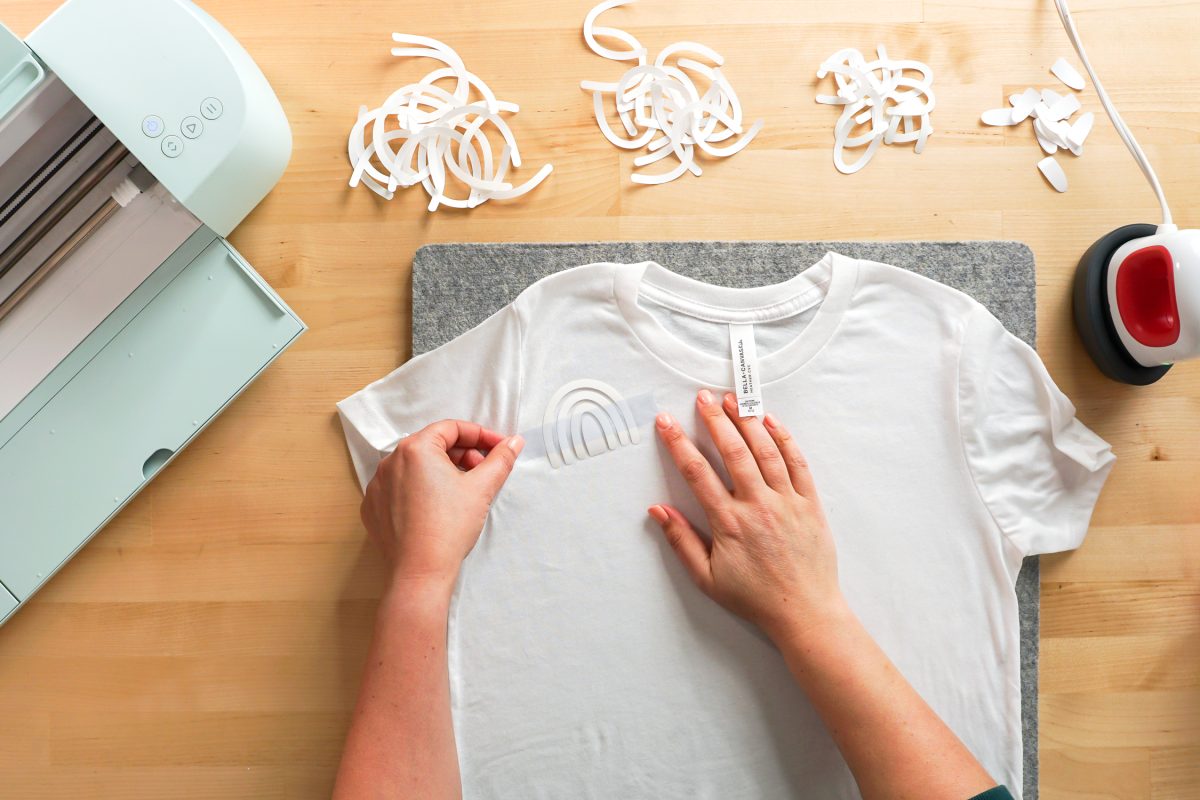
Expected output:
{"points": [[153, 126]]}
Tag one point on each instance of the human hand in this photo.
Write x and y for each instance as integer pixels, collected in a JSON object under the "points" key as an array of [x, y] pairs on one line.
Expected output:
{"points": [[427, 503], [771, 557]]}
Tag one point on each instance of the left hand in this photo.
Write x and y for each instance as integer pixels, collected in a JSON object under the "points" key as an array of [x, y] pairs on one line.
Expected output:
{"points": [[428, 501]]}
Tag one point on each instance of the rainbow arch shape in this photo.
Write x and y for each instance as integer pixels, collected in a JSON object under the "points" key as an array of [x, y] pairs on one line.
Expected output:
{"points": [[571, 405]]}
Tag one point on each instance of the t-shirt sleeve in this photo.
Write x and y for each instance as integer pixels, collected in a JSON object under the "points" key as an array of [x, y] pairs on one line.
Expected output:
{"points": [[1038, 469], [475, 377]]}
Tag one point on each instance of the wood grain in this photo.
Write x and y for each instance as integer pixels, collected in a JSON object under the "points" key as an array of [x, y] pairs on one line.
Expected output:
{"points": [[208, 643]]}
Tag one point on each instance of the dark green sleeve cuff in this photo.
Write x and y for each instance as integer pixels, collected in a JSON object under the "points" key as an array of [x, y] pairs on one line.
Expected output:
{"points": [[999, 793]]}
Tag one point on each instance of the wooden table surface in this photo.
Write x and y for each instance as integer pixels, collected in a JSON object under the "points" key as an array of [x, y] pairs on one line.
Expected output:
{"points": [[208, 643]]}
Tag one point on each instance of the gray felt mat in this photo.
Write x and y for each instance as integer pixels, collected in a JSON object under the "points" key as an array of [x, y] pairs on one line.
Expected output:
{"points": [[457, 286]]}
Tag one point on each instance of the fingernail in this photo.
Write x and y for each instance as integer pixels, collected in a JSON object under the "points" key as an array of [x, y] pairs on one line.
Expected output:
{"points": [[771, 421], [730, 401], [516, 444], [664, 421], [659, 513], [706, 397]]}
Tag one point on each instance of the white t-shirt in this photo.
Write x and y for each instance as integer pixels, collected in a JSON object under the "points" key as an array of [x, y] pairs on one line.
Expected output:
{"points": [[585, 664]]}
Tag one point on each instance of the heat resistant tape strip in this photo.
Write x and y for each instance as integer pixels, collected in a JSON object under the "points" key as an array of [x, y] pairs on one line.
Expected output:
{"points": [[643, 408]]}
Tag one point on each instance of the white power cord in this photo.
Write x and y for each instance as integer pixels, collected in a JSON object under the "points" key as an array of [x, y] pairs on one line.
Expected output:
{"points": [[1123, 131]]}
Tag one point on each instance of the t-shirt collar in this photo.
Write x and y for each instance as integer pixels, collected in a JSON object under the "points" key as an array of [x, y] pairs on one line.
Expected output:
{"points": [[834, 277]]}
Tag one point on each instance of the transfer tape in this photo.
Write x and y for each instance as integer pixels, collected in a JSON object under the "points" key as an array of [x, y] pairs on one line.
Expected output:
{"points": [[588, 418]]}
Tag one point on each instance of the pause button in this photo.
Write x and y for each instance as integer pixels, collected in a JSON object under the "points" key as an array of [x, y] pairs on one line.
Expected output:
{"points": [[212, 108]]}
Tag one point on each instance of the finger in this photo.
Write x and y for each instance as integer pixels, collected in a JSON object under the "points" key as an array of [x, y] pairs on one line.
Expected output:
{"points": [[465, 458], [366, 511], [493, 471], [472, 459], [451, 433], [688, 545], [739, 461], [793, 459], [704, 481], [766, 452]]}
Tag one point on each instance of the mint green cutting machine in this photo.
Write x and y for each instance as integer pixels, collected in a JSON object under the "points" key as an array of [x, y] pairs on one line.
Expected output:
{"points": [[134, 136]]}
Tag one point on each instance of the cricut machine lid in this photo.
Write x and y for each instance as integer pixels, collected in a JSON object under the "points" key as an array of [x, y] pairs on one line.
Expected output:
{"points": [[180, 93]]}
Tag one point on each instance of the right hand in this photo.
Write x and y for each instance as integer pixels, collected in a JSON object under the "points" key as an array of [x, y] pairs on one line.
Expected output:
{"points": [[771, 556]]}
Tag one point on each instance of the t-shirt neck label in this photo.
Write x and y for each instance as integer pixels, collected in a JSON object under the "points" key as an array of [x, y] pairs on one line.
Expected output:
{"points": [[745, 370]]}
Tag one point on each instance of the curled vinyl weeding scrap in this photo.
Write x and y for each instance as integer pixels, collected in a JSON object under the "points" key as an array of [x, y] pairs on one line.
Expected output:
{"points": [[883, 94], [441, 135], [661, 106]]}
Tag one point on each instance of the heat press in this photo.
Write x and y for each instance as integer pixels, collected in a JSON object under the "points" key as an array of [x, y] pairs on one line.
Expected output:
{"points": [[134, 137], [1137, 290]]}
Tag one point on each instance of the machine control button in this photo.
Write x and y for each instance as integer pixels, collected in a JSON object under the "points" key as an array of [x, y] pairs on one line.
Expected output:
{"points": [[153, 126], [172, 147], [191, 127], [212, 108]]}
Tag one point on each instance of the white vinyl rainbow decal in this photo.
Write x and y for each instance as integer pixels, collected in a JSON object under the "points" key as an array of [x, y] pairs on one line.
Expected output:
{"points": [[569, 409]]}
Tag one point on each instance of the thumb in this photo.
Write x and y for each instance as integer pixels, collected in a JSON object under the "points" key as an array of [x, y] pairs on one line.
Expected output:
{"points": [[493, 471], [692, 550]]}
